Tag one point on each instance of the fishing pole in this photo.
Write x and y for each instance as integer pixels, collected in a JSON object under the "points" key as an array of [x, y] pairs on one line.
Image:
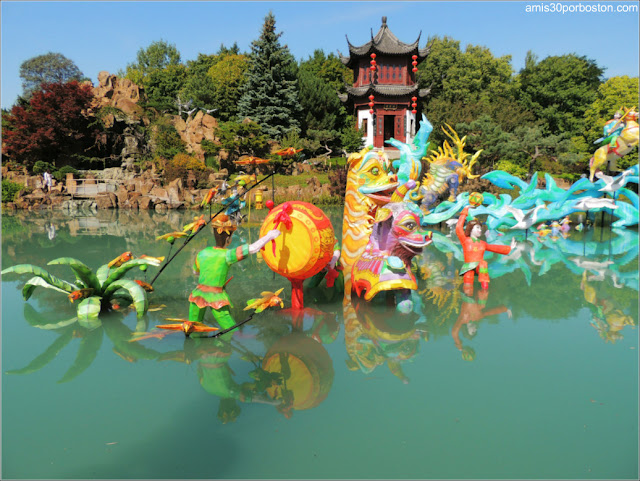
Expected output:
{"points": [[188, 239], [224, 331]]}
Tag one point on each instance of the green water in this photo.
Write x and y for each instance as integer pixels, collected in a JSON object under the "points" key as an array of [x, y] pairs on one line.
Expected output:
{"points": [[551, 392]]}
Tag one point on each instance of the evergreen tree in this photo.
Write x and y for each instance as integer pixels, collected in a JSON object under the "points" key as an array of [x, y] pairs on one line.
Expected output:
{"points": [[270, 94]]}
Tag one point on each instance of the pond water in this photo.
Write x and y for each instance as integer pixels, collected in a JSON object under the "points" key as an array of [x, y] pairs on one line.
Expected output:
{"points": [[542, 383]]}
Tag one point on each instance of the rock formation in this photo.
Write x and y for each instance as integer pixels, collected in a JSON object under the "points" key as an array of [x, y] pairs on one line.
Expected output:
{"points": [[194, 130], [122, 94]]}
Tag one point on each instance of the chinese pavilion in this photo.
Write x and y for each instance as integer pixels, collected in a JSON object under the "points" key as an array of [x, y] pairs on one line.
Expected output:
{"points": [[385, 91]]}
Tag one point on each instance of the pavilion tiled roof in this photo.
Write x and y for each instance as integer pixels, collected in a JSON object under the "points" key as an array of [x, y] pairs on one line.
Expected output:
{"points": [[383, 90], [385, 42]]}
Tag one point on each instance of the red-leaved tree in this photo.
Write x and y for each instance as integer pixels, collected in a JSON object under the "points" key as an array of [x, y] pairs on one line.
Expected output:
{"points": [[50, 126]]}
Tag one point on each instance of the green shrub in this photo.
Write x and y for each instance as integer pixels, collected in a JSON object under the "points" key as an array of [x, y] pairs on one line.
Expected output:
{"points": [[40, 167], [166, 140], [61, 174], [209, 147], [570, 176], [511, 168], [9, 190], [212, 162]]}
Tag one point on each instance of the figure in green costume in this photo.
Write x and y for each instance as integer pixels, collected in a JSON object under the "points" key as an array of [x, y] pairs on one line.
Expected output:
{"points": [[212, 265]]}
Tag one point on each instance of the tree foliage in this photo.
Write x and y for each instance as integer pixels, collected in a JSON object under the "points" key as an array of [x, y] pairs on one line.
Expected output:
{"points": [[328, 68], [198, 85], [48, 68], [159, 70], [165, 140], [52, 126], [269, 97], [156, 56], [474, 75], [521, 152], [468, 85], [616, 92], [558, 90], [215, 81], [351, 137], [163, 86], [321, 107], [228, 77], [240, 138]]}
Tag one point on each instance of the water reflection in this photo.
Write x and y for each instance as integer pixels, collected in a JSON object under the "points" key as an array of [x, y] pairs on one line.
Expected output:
{"points": [[473, 309], [212, 358], [286, 363], [89, 335], [606, 316], [373, 337]]}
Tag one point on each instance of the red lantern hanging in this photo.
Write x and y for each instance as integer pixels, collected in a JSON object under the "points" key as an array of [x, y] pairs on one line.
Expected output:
{"points": [[371, 97], [373, 67], [414, 112], [373, 55], [371, 104], [414, 57], [414, 69], [414, 105], [414, 99], [371, 111]]}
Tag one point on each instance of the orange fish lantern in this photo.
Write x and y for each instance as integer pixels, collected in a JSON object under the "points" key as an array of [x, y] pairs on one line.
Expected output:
{"points": [[304, 248], [252, 161], [121, 259], [145, 285], [186, 326], [288, 152]]}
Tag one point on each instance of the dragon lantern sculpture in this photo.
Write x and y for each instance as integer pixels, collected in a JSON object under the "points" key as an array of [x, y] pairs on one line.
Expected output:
{"points": [[449, 166]]}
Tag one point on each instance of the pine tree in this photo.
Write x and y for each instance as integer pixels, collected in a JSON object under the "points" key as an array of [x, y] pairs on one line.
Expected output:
{"points": [[270, 94]]}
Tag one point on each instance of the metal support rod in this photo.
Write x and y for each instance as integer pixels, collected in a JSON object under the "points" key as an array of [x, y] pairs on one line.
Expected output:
{"points": [[188, 239]]}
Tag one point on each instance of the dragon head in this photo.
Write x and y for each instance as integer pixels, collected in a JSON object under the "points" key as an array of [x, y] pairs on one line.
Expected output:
{"points": [[400, 230], [370, 176]]}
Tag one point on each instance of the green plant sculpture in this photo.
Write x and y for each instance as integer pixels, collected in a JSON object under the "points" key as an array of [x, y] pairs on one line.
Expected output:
{"points": [[95, 291]]}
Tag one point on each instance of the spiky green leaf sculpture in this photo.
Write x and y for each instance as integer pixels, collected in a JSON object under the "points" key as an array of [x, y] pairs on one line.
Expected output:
{"points": [[95, 291]]}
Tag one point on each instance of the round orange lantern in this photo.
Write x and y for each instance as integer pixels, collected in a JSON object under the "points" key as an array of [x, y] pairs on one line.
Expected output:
{"points": [[308, 372], [303, 249]]}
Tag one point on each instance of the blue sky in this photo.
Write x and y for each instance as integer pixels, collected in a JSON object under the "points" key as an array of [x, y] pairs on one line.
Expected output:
{"points": [[107, 35]]}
